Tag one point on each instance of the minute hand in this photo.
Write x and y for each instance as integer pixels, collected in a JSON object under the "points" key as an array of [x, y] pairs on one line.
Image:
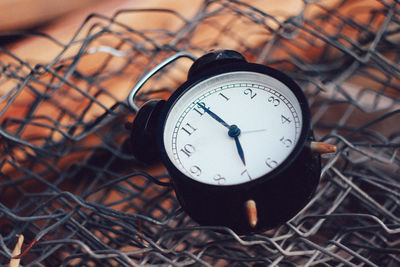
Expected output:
{"points": [[213, 115], [233, 132]]}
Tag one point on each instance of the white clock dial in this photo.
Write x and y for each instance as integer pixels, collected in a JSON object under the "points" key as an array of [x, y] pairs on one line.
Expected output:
{"points": [[232, 128]]}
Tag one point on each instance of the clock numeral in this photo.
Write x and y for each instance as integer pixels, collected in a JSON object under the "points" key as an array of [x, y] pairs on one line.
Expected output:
{"points": [[286, 142], [219, 179], [201, 110], [188, 150], [224, 96], [285, 119], [250, 93], [274, 101], [246, 173], [271, 163], [195, 170], [189, 129]]}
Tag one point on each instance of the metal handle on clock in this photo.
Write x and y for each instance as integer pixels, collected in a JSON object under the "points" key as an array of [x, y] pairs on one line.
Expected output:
{"points": [[131, 97]]}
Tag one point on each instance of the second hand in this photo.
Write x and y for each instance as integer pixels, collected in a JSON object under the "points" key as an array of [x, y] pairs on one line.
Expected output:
{"points": [[254, 131]]}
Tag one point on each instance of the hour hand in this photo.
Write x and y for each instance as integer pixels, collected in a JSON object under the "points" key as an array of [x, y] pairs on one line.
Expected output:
{"points": [[212, 114]]}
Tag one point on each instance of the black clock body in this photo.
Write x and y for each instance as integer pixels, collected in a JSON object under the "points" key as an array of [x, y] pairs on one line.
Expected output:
{"points": [[279, 195]]}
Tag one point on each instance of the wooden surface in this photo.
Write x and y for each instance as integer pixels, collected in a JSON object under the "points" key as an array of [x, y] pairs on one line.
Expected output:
{"points": [[23, 14]]}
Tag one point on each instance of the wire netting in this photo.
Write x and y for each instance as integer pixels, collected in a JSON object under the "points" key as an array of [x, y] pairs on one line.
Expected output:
{"points": [[69, 184]]}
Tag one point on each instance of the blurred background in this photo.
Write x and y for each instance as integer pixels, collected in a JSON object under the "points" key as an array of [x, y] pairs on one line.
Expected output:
{"points": [[71, 188]]}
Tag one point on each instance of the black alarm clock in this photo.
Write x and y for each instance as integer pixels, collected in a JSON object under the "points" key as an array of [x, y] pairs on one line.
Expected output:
{"points": [[236, 141]]}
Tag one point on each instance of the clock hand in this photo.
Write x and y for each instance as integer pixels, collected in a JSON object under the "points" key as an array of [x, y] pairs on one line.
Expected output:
{"points": [[240, 150], [213, 115], [234, 132], [253, 131]]}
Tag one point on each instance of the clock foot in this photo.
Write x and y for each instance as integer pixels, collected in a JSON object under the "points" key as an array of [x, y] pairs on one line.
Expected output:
{"points": [[322, 148], [251, 212]]}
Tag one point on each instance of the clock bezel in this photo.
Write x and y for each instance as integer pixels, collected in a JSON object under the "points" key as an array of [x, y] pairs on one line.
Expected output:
{"points": [[228, 68]]}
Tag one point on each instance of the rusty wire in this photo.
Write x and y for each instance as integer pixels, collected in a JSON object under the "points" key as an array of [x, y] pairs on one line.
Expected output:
{"points": [[69, 184]]}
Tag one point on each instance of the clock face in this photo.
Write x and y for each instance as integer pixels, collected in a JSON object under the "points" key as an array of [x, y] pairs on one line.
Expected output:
{"points": [[232, 128]]}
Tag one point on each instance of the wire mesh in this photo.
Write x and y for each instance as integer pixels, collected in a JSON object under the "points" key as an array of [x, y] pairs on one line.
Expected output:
{"points": [[69, 184]]}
